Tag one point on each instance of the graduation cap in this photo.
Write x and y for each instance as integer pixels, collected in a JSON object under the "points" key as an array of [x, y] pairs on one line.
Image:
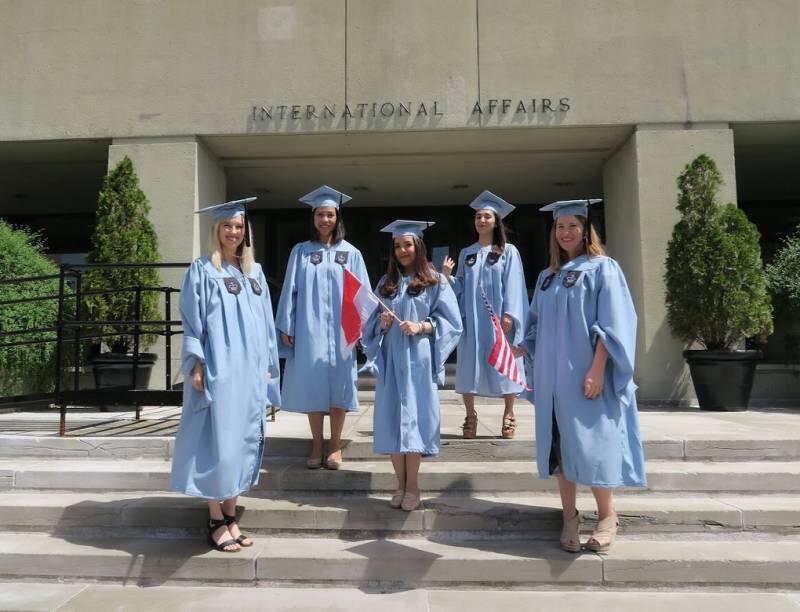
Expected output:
{"points": [[229, 210], [493, 202], [401, 227], [325, 196], [564, 208]]}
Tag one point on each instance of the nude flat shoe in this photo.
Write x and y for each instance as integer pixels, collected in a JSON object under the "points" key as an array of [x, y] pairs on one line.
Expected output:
{"points": [[397, 499], [410, 502]]}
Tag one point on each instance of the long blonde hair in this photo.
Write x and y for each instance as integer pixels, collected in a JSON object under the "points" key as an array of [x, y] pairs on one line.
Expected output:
{"points": [[558, 256], [245, 253]]}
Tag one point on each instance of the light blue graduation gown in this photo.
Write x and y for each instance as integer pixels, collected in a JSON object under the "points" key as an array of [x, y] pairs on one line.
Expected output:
{"points": [[503, 281], [316, 376], [600, 441], [408, 368], [228, 324]]}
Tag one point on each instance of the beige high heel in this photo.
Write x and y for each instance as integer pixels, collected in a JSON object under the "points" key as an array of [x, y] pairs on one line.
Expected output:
{"points": [[603, 534], [571, 534]]}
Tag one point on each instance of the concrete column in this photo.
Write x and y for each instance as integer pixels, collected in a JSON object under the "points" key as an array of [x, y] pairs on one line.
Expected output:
{"points": [[639, 185], [178, 176]]}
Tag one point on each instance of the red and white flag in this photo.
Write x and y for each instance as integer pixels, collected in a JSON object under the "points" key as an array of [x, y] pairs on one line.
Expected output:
{"points": [[501, 358], [357, 306]]}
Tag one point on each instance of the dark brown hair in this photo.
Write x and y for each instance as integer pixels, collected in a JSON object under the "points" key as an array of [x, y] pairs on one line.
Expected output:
{"points": [[424, 273], [338, 229], [498, 233]]}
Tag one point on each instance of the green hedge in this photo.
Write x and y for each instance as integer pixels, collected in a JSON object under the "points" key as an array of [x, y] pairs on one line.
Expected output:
{"points": [[29, 368]]}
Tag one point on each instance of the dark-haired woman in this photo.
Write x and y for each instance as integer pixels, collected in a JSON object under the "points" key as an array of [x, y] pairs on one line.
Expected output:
{"points": [[408, 353], [491, 268], [581, 334], [318, 378]]}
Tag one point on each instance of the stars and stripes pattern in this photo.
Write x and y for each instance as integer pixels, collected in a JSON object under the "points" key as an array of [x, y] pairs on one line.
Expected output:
{"points": [[501, 358]]}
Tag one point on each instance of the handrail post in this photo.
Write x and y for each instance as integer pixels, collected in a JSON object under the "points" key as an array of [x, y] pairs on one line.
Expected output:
{"points": [[168, 344], [77, 355], [62, 422], [137, 307]]}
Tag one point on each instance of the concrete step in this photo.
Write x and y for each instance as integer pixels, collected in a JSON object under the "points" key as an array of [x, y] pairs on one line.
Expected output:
{"points": [[359, 446], [650, 561], [79, 597], [292, 513], [356, 476]]}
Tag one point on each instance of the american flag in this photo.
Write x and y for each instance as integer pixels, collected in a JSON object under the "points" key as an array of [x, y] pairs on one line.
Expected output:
{"points": [[501, 358]]}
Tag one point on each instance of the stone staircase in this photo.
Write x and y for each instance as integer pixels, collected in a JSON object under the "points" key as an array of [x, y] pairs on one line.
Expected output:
{"points": [[722, 511]]}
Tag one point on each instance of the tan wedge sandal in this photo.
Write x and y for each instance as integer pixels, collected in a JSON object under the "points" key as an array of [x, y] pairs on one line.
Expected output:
{"points": [[571, 534], [603, 534], [470, 426], [509, 427]]}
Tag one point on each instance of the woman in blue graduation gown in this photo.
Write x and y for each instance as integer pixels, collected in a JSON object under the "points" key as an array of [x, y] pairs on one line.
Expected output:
{"points": [[230, 364], [492, 267], [581, 334], [319, 378], [408, 357]]}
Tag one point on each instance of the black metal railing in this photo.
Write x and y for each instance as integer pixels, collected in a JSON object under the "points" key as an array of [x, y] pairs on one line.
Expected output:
{"points": [[67, 332]]}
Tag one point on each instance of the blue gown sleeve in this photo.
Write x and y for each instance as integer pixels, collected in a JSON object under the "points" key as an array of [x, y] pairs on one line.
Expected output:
{"points": [[514, 294], [532, 321], [359, 269], [287, 305], [192, 305], [529, 338], [272, 343], [445, 317], [371, 339], [616, 326], [457, 281]]}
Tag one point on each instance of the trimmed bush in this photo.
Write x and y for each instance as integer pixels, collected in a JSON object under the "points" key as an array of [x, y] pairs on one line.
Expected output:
{"points": [[716, 289], [783, 274], [28, 368], [123, 234]]}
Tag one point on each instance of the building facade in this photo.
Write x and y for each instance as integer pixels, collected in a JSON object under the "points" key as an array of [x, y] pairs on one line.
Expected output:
{"points": [[412, 107]]}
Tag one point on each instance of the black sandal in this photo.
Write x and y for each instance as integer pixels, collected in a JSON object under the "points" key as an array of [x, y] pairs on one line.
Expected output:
{"points": [[242, 540], [212, 526]]}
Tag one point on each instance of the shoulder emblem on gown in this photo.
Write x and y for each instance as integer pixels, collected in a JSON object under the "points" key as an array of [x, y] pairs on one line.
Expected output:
{"points": [[341, 257], [232, 285], [548, 281], [316, 257], [471, 259], [492, 258], [255, 286], [570, 278]]}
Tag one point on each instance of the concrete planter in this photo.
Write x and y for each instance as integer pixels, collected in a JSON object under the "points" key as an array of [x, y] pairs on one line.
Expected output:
{"points": [[722, 380], [116, 370]]}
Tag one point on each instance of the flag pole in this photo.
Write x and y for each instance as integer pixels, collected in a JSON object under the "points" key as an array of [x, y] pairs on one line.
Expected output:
{"points": [[375, 299]]}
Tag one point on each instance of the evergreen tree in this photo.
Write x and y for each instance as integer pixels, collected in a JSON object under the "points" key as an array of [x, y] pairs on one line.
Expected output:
{"points": [[123, 234], [716, 287]]}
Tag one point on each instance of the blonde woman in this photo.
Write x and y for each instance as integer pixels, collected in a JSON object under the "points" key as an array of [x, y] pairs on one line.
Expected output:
{"points": [[581, 333], [230, 363]]}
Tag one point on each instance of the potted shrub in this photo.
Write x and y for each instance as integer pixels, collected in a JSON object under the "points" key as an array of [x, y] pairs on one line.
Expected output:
{"points": [[716, 289], [783, 282], [26, 368], [122, 234]]}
